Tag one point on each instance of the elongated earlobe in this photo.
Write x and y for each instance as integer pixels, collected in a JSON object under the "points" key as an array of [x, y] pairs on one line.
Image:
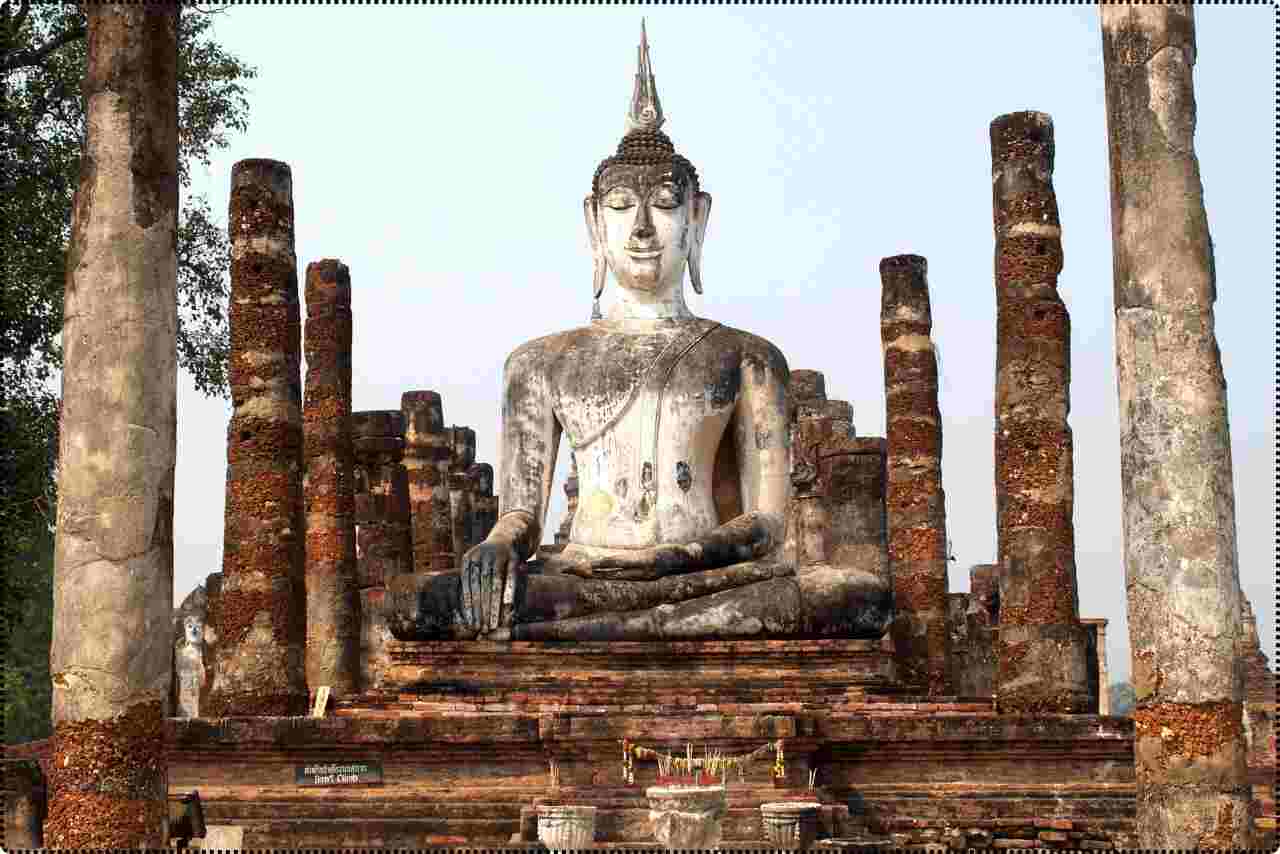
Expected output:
{"points": [[698, 228], [600, 268]]}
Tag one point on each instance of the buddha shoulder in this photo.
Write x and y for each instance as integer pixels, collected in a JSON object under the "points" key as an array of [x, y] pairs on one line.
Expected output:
{"points": [[534, 355], [758, 354]]}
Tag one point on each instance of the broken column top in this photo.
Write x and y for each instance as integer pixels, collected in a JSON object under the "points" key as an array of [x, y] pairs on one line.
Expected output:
{"points": [[423, 416], [808, 385], [1022, 135], [904, 292], [263, 172], [328, 281]]}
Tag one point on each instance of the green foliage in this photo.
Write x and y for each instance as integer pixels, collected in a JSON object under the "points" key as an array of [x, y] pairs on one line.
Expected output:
{"points": [[1123, 698], [42, 61], [29, 426]]}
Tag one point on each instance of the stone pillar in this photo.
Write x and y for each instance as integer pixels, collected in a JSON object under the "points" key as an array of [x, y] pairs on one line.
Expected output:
{"points": [[459, 513], [384, 540], [841, 414], [333, 621], [571, 501], [1041, 658], [1175, 451], [112, 652], [480, 478], [259, 662], [427, 453], [915, 501]]}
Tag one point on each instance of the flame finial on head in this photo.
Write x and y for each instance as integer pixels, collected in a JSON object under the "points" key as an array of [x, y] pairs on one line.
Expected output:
{"points": [[646, 109]]}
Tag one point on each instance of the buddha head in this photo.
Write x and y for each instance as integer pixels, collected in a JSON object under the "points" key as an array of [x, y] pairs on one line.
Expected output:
{"points": [[646, 215]]}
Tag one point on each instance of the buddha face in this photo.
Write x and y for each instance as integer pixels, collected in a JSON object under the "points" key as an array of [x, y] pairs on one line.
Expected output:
{"points": [[646, 215]]}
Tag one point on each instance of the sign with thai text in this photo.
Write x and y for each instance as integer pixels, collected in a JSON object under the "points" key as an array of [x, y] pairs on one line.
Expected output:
{"points": [[364, 773]]}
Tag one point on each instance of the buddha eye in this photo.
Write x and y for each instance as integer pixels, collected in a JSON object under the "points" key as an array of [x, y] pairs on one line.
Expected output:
{"points": [[667, 198], [619, 200]]}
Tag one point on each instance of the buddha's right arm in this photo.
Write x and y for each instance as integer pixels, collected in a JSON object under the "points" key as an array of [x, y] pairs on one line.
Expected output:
{"points": [[530, 440]]}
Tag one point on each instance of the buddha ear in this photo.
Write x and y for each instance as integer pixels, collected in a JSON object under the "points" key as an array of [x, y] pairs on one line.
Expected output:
{"points": [[596, 236], [699, 213]]}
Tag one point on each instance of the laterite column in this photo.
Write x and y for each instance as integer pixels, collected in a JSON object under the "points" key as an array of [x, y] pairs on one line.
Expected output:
{"points": [[1041, 652], [259, 664], [427, 452], [915, 501], [333, 619], [111, 657], [1175, 448]]}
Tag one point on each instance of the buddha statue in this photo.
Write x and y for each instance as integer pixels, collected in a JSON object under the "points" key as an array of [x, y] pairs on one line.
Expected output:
{"points": [[679, 426]]}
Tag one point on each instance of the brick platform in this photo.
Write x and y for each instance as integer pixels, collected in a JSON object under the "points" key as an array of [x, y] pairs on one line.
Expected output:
{"points": [[467, 734]]}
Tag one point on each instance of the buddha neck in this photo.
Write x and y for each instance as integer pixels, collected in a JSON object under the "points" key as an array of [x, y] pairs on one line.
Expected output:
{"points": [[640, 312]]}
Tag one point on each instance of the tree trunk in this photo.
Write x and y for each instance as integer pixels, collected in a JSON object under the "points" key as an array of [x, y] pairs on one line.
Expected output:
{"points": [[112, 652], [1175, 454]]}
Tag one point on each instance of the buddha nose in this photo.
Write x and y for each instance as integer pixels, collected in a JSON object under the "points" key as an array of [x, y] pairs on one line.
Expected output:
{"points": [[644, 223]]}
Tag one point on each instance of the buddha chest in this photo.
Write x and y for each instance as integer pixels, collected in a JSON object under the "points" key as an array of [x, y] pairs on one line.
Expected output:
{"points": [[645, 414]]}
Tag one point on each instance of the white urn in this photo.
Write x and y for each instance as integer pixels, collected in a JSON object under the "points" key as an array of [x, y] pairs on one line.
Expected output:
{"points": [[563, 827], [687, 816], [790, 824]]}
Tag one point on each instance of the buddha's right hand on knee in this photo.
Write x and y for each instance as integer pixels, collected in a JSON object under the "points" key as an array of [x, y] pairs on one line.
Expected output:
{"points": [[488, 579]]}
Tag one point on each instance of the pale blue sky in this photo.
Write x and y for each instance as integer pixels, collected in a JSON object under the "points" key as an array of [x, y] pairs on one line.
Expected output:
{"points": [[443, 154]]}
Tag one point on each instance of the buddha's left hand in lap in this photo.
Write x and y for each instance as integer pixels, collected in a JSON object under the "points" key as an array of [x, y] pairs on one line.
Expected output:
{"points": [[747, 537]]}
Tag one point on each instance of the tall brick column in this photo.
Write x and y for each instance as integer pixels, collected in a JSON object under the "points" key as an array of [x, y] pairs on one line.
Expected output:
{"points": [[1175, 450], [1041, 652], [333, 619], [915, 502], [112, 652], [384, 540], [261, 613], [428, 449]]}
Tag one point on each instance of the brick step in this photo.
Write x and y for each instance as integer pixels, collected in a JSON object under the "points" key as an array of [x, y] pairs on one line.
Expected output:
{"points": [[331, 833], [240, 812], [1013, 812], [1025, 825], [403, 797]]}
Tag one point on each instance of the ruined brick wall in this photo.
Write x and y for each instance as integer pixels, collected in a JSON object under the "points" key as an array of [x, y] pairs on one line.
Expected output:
{"points": [[384, 539]]}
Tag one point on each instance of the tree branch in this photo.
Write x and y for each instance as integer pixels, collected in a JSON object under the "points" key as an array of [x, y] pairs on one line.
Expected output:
{"points": [[25, 58]]}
